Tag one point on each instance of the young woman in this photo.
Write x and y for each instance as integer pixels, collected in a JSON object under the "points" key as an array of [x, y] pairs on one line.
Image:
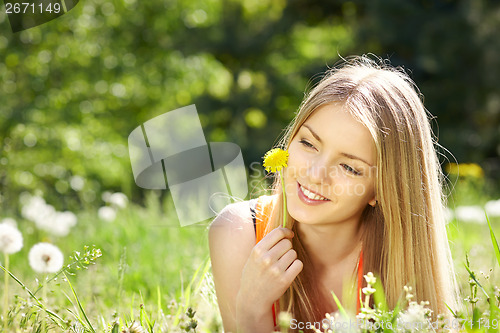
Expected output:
{"points": [[363, 191]]}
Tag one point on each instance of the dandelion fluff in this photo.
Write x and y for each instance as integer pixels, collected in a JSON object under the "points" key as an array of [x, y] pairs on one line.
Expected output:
{"points": [[11, 239], [106, 214], [118, 199], [45, 258]]}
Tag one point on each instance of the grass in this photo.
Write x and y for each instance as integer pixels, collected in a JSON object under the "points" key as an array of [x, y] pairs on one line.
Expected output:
{"points": [[155, 274]]}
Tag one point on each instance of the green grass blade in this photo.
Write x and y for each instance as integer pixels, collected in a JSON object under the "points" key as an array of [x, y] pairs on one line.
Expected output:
{"points": [[30, 293], [186, 294], [493, 240], [471, 274], [341, 308], [379, 296], [89, 326], [452, 312]]}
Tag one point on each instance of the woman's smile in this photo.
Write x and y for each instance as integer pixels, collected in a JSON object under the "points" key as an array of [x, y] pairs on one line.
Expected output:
{"points": [[309, 197]]}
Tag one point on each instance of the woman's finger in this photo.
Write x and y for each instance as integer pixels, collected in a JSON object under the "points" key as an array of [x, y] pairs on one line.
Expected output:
{"points": [[274, 237]]}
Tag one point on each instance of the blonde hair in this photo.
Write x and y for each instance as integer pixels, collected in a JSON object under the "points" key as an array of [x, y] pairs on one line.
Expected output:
{"points": [[404, 238]]}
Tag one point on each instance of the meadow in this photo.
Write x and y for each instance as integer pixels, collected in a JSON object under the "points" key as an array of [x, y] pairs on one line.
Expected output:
{"points": [[132, 268]]}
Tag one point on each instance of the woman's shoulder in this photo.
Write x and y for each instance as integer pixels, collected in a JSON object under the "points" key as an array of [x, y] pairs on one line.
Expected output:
{"points": [[233, 224]]}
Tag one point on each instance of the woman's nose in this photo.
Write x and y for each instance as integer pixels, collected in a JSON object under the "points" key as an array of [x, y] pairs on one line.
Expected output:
{"points": [[319, 172]]}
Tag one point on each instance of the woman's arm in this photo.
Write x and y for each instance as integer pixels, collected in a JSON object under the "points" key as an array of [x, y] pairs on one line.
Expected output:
{"points": [[231, 239], [249, 278]]}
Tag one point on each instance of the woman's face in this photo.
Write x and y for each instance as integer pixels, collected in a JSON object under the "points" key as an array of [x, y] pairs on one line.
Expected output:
{"points": [[330, 176]]}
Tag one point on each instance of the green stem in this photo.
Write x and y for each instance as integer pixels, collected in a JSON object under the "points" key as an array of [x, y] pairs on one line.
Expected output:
{"points": [[44, 297], [284, 200], [6, 291]]}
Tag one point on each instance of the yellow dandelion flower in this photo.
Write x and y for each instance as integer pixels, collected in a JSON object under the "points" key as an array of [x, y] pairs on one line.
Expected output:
{"points": [[275, 160]]}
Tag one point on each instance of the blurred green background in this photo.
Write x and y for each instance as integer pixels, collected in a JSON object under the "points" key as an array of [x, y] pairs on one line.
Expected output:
{"points": [[73, 89]]}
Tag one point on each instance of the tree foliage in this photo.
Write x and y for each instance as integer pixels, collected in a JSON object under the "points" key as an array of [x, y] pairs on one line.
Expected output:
{"points": [[73, 89]]}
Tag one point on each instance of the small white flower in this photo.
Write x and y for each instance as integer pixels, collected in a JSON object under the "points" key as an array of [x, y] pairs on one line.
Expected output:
{"points": [[284, 318], [368, 291], [45, 258], [107, 214], [415, 317], [11, 240], [118, 199], [493, 208], [470, 214], [370, 278]]}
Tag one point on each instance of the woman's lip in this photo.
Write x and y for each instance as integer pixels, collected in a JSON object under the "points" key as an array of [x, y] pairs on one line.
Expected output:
{"points": [[306, 200]]}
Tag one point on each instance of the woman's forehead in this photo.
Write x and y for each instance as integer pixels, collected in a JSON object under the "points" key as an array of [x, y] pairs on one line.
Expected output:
{"points": [[335, 127]]}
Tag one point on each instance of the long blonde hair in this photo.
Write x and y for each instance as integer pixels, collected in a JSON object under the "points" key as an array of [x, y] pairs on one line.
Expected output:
{"points": [[404, 239]]}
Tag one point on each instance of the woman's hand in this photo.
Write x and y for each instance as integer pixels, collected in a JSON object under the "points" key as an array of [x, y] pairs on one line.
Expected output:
{"points": [[269, 271]]}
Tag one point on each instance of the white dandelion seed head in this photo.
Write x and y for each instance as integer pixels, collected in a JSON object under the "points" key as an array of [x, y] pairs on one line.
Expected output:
{"points": [[47, 218], [470, 214], [77, 183], [10, 221], [449, 215], [118, 199], [105, 196], [33, 207], [107, 214], [45, 258], [61, 223], [493, 208], [11, 239]]}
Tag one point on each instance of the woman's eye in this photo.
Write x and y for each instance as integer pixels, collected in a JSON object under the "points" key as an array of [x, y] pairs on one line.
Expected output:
{"points": [[351, 170], [306, 143]]}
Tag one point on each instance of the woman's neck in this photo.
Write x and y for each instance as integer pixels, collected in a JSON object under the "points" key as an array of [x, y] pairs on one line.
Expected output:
{"points": [[330, 246]]}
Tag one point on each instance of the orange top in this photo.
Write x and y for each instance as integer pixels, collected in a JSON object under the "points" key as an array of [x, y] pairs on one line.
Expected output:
{"points": [[262, 212]]}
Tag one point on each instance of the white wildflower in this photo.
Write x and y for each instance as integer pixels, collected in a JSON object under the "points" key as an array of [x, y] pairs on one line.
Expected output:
{"points": [[493, 208], [415, 317], [118, 199], [470, 214], [45, 258], [11, 239], [106, 214]]}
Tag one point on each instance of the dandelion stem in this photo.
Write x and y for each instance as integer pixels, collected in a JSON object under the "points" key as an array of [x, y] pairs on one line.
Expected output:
{"points": [[284, 200], [6, 290]]}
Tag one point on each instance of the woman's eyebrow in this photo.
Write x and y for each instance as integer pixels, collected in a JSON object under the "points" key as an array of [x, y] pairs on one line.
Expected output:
{"points": [[312, 132], [352, 157]]}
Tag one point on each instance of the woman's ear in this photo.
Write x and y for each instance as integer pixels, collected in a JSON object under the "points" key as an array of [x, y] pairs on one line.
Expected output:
{"points": [[372, 202]]}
